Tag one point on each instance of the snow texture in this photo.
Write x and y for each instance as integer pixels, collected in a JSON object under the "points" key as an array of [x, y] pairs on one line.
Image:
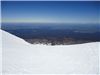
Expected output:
{"points": [[20, 57]]}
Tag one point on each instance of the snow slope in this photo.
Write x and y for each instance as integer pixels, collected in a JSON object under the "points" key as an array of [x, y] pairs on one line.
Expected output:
{"points": [[0, 52], [20, 57]]}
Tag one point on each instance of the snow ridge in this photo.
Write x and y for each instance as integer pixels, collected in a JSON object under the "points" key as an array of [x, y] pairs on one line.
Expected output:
{"points": [[20, 57]]}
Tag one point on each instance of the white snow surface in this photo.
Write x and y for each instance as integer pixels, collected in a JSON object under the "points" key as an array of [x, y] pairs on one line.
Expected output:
{"points": [[20, 57]]}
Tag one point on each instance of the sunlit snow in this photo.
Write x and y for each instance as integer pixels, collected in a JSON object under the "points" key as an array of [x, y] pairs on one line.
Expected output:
{"points": [[20, 57]]}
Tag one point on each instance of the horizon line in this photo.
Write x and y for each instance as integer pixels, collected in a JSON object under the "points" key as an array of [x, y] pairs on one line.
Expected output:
{"points": [[48, 23]]}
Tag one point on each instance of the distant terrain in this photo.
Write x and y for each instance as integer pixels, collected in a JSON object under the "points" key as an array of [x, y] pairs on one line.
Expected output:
{"points": [[54, 34]]}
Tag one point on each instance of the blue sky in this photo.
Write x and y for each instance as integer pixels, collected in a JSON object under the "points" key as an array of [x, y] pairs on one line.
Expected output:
{"points": [[51, 11]]}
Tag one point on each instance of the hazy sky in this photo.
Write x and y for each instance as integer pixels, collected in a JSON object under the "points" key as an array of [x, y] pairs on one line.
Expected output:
{"points": [[51, 11]]}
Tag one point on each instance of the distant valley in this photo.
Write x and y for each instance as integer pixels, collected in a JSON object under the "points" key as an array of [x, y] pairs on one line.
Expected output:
{"points": [[54, 34]]}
